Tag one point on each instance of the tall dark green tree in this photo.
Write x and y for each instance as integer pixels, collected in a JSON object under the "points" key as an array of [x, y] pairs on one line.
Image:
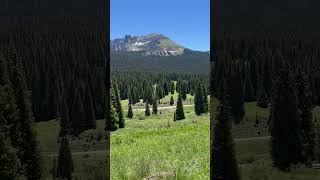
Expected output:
{"points": [[248, 90], [262, 99], [27, 144], [223, 162], [9, 161], [237, 98], [205, 100], [130, 112], [116, 101], [317, 143], [286, 141], [155, 104], [173, 88], [10, 166], [198, 101], [179, 114], [147, 111], [171, 101], [65, 166], [305, 109]]}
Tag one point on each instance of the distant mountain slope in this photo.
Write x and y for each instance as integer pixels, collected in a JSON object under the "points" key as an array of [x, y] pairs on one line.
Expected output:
{"points": [[151, 44], [189, 62]]}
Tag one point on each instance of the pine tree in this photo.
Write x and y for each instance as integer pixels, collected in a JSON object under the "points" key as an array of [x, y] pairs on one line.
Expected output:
{"points": [[171, 101], [205, 100], [147, 112], [9, 162], [317, 143], [10, 166], [172, 87], [262, 100], [285, 130], [237, 99], [198, 101], [166, 87], [65, 166], [155, 105], [117, 105], [28, 149], [305, 109], [183, 90], [111, 115], [130, 112], [179, 114], [248, 90], [223, 162]]}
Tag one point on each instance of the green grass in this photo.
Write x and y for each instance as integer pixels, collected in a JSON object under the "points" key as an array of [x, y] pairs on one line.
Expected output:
{"points": [[157, 145]]}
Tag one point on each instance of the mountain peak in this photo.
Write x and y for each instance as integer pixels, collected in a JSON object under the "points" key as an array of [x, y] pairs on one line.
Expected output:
{"points": [[150, 44]]}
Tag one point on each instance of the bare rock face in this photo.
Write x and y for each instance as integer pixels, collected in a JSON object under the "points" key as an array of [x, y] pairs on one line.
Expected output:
{"points": [[148, 45]]}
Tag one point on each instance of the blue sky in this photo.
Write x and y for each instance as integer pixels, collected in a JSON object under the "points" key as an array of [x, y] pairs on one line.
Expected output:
{"points": [[187, 22]]}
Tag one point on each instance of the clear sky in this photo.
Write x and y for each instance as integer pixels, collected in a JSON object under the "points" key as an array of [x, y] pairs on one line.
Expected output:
{"points": [[186, 22]]}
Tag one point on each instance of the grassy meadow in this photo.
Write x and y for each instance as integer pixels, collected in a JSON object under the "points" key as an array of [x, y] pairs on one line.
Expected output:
{"points": [[159, 148]]}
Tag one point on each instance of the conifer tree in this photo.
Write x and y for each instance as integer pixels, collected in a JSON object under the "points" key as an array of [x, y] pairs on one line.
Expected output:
{"points": [[317, 143], [166, 87], [262, 100], [147, 111], [223, 162], [65, 166], [248, 90], [155, 105], [10, 166], [237, 99], [9, 162], [171, 101], [205, 100], [183, 90], [130, 112], [285, 130], [305, 109], [117, 105], [27, 146], [179, 114], [198, 101], [172, 87]]}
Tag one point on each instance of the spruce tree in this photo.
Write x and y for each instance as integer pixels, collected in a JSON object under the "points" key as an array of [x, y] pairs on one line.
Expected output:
{"points": [[155, 105], [205, 100], [171, 101], [223, 159], [237, 98], [10, 166], [130, 112], [262, 100], [147, 111], [65, 166], [117, 105], [285, 130], [305, 109], [179, 114], [27, 145], [317, 143], [248, 90], [183, 90], [198, 101], [9, 162], [172, 87]]}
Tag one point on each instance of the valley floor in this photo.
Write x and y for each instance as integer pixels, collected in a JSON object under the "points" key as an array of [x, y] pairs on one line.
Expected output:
{"points": [[156, 147]]}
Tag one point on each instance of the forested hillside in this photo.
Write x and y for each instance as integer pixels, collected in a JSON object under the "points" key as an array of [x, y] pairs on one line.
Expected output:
{"points": [[64, 61], [190, 61]]}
